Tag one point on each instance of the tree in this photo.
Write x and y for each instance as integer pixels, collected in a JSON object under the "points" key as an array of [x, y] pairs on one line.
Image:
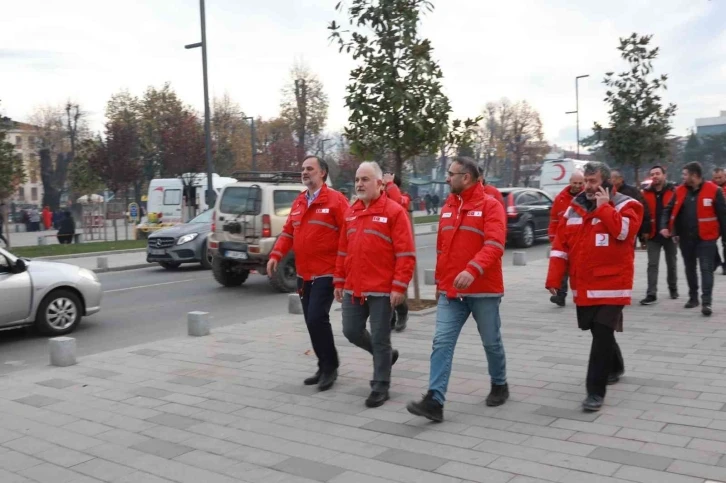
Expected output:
{"points": [[12, 171], [693, 149], [304, 107], [277, 149], [639, 122], [83, 177], [525, 137], [395, 96], [116, 160], [230, 137], [713, 150]]}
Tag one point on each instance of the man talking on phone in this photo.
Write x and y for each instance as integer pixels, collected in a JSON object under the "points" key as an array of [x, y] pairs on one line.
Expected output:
{"points": [[595, 239]]}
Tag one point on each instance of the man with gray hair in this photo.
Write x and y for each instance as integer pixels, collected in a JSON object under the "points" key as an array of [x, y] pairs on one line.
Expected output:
{"points": [[595, 240]]}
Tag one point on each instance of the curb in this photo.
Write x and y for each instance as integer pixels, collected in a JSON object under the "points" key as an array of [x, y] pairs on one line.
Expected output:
{"points": [[91, 254]]}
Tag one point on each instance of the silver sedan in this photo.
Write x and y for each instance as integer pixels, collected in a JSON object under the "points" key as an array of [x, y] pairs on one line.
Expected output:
{"points": [[50, 296]]}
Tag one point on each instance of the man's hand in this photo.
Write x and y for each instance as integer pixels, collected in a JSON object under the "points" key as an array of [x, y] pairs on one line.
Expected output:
{"points": [[397, 299], [338, 292], [387, 178], [271, 267], [665, 232], [463, 280], [553, 291], [438, 293], [602, 196]]}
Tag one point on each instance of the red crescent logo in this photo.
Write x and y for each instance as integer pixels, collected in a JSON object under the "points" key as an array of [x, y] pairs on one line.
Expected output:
{"points": [[161, 188], [562, 172]]}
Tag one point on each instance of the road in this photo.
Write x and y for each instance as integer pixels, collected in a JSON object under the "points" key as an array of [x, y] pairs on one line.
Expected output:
{"points": [[142, 306]]}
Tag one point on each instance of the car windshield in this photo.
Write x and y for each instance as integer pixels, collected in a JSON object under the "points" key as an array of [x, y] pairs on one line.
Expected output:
{"points": [[205, 217]]}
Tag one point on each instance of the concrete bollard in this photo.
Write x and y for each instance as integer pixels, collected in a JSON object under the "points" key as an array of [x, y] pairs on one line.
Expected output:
{"points": [[62, 351], [102, 263], [520, 259], [294, 304], [429, 277], [41, 241], [198, 324]]}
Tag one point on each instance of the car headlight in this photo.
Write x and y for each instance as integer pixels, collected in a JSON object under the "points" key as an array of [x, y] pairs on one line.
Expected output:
{"points": [[187, 238], [88, 274]]}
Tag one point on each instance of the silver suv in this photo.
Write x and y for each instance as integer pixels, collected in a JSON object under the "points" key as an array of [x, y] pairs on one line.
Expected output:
{"points": [[248, 217]]}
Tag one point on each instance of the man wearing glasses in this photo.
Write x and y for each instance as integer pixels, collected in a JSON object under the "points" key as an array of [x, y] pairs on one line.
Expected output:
{"points": [[470, 246]]}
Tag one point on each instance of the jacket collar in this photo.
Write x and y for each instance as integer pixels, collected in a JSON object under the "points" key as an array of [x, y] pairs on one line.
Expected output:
{"points": [[321, 198], [375, 208], [471, 197]]}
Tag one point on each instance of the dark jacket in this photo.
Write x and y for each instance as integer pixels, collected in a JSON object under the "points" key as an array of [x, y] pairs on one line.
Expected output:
{"points": [[67, 226], [686, 223], [657, 217]]}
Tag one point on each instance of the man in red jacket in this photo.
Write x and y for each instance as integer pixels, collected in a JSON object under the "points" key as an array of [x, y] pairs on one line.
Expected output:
{"points": [[489, 189], [719, 177], [375, 264], [470, 244], [595, 239], [313, 230], [561, 204], [392, 184]]}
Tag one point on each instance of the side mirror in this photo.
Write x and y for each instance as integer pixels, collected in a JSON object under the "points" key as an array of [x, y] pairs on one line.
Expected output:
{"points": [[20, 266]]}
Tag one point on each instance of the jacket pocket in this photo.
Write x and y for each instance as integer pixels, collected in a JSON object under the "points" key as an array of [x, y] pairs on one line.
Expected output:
{"points": [[609, 271]]}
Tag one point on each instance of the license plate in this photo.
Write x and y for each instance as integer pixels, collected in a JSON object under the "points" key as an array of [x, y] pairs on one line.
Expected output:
{"points": [[236, 255], [157, 252]]}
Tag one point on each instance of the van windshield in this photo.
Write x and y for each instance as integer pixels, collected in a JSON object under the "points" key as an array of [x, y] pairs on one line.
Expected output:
{"points": [[239, 200]]}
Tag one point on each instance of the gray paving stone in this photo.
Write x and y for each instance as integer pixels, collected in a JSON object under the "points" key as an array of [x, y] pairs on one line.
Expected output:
{"points": [[393, 428], [103, 470], [563, 360], [631, 458], [64, 457], [57, 383], [232, 340], [29, 445], [644, 475], [647, 352], [574, 414], [174, 421], [641, 381], [474, 473], [152, 392], [147, 352], [161, 448], [38, 401], [102, 373], [50, 473], [412, 460], [231, 357], [190, 381], [309, 469]]}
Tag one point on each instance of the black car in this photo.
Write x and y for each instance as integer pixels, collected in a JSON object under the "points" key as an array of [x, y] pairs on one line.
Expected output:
{"points": [[528, 215]]}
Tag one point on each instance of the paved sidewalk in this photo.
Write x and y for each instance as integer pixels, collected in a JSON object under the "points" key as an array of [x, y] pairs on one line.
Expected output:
{"points": [[231, 406]]}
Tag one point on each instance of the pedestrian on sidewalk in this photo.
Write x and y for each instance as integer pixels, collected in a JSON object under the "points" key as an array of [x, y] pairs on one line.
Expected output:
{"points": [[719, 177], [67, 229], [435, 203], [47, 218], [595, 239], [392, 183], [375, 265], [696, 217], [561, 204], [313, 230], [34, 219], [470, 244], [656, 197]]}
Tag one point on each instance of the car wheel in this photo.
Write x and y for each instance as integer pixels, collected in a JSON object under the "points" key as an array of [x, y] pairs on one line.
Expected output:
{"points": [[227, 274], [527, 238], [170, 265], [285, 277], [59, 313], [207, 257]]}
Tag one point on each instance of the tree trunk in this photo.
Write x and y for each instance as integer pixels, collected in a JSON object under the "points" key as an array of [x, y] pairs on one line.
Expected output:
{"points": [[398, 170], [51, 198]]}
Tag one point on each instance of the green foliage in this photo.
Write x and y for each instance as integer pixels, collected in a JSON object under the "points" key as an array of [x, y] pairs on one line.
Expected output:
{"points": [[84, 180], [12, 172]]}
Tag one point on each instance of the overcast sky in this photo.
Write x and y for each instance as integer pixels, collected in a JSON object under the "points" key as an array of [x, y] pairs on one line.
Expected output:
{"points": [[520, 49]]}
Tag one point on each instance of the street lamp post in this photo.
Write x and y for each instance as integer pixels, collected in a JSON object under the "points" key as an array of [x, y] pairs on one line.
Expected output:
{"points": [[577, 109], [322, 147], [252, 136], [211, 195]]}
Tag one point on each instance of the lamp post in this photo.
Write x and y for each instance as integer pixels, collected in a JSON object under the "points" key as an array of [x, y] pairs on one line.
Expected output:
{"points": [[577, 109], [322, 147], [252, 140], [211, 195]]}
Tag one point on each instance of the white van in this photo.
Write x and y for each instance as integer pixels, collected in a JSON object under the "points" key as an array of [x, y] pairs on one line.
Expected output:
{"points": [[556, 174], [166, 197]]}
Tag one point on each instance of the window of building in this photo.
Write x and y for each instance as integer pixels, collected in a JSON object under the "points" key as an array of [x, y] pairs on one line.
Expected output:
{"points": [[21, 193], [31, 142], [34, 194], [19, 142], [33, 176]]}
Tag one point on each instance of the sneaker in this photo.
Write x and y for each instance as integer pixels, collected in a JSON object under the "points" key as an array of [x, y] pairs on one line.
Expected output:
{"points": [[394, 356], [498, 395], [400, 324], [706, 310], [558, 300], [593, 403], [649, 300], [723, 269], [428, 407], [327, 380], [691, 304], [674, 294], [376, 399], [311, 381]]}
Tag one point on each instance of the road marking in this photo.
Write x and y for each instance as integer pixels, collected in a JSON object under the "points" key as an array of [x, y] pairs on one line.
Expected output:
{"points": [[148, 286]]}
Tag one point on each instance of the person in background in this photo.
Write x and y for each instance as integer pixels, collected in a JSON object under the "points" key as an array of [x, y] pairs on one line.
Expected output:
{"points": [[594, 242], [34, 219], [435, 201], [697, 216], [719, 177], [489, 189], [67, 229], [656, 197], [2, 227], [561, 204], [392, 184], [47, 218], [427, 203]]}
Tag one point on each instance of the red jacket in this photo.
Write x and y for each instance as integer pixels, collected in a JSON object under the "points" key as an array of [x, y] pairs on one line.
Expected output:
{"points": [[560, 205], [313, 233], [495, 193], [649, 199], [394, 193], [598, 245], [376, 255], [472, 232], [708, 225]]}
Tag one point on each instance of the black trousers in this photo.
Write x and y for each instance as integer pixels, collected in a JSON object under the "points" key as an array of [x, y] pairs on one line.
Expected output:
{"points": [[317, 298], [605, 359], [697, 252], [401, 311], [2, 237]]}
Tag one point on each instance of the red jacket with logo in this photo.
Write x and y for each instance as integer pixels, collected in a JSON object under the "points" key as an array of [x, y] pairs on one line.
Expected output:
{"points": [[708, 226], [597, 246], [560, 205], [313, 233], [649, 198], [472, 232], [395, 193], [376, 255], [494, 193]]}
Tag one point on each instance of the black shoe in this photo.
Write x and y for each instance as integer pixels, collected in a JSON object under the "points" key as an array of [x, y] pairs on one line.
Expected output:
{"points": [[706, 310], [327, 380], [498, 395], [376, 399], [394, 356], [649, 300], [401, 323], [723, 269], [558, 300], [614, 377], [691, 304], [428, 407], [311, 381], [674, 294], [592, 403]]}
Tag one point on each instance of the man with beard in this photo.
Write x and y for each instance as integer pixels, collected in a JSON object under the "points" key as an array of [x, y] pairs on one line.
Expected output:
{"points": [[719, 177], [561, 204], [595, 239], [656, 197]]}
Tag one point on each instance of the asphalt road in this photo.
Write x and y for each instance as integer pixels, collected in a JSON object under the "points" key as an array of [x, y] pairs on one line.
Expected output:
{"points": [[142, 306]]}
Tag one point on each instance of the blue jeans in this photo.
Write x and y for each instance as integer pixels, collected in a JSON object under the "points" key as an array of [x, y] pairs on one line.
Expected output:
{"points": [[451, 314]]}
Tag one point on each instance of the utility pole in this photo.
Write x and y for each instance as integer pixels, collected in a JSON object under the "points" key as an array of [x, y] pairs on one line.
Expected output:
{"points": [[577, 109], [301, 97], [211, 195], [322, 147], [252, 141]]}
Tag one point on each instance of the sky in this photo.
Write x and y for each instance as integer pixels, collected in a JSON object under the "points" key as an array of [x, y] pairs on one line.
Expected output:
{"points": [[86, 50]]}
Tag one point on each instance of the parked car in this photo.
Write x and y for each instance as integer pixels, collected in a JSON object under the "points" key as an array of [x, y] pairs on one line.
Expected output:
{"points": [[528, 215], [53, 297], [185, 243]]}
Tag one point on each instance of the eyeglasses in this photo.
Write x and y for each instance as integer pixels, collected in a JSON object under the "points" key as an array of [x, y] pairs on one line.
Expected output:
{"points": [[451, 175]]}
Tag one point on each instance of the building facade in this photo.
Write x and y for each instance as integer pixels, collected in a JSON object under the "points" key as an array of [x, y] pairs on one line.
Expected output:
{"points": [[23, 136], [708, 126]]}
